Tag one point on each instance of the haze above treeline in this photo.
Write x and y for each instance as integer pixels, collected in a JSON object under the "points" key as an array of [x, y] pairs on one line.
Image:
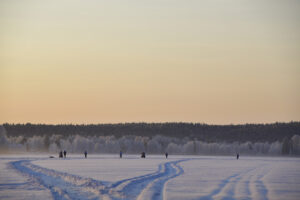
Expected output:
{"points": [[204, 132]]}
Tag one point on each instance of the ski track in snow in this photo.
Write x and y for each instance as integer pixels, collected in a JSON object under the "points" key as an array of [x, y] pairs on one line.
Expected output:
{"points": [[226, 190], [245, 184], [67, 186]]}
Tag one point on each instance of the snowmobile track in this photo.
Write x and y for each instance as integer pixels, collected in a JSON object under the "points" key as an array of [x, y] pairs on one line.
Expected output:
{"points": [[67, 186]]}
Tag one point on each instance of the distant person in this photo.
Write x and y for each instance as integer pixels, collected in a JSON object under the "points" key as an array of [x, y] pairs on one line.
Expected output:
{"points": [[60, 154], [237, 156], [85, 154], [65, 154], [121, 154], [143, 155], [166, 154]]}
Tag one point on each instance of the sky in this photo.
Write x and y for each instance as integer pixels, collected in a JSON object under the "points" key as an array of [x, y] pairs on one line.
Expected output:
{"points": [[207, 61]]}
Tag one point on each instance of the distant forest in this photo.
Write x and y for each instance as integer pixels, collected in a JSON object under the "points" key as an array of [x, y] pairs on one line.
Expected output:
{"points": [[203, 132]]}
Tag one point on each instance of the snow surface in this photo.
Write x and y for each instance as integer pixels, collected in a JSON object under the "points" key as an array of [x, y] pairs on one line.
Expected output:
{"points": [[178, 177]]}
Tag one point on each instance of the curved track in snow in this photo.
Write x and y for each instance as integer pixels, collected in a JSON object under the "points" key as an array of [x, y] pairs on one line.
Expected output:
{"points": [[227, 187], [67, 186]]}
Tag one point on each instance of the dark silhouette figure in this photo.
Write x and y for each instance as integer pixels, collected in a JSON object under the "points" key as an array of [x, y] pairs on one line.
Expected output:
{"points": [[121, 154], [143, 155], [65, 154], [166, 154], [85, 154], [60, 154], [237, 156]]}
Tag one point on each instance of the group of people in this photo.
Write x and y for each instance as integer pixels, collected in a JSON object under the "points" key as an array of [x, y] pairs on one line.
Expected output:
{"points": [[143, 155], [62, 154]]}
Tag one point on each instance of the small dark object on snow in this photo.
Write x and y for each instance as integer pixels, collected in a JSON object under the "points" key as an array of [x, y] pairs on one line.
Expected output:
{"points": [[166, 154], [121, 154], [51, 156], [237, 156], [60, 154], [65, 153], [143, 155], [85, 154]]}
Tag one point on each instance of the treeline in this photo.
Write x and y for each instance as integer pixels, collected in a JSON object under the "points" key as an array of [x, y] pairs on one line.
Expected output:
{"points": [[202, 132]]}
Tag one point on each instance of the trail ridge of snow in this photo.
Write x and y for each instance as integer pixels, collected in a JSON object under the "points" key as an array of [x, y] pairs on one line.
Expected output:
{"points": [[67, 186]]}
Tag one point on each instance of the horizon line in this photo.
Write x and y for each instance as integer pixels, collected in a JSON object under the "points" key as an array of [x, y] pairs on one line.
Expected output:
{"points": [[165, 122]]}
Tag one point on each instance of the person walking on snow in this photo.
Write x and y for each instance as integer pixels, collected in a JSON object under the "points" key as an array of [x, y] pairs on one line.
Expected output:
{"points": [[85, 154], [60, 154], [65, 153]]}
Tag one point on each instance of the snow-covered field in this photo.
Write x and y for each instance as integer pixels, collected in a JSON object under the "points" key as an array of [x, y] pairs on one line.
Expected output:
{"points": [[178, 177]]}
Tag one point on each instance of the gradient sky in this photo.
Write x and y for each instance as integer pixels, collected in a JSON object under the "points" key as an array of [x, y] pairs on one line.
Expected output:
{"points": [[210, 61]]}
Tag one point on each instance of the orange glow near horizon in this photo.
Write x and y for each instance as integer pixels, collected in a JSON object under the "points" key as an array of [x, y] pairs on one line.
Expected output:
{"points": [[157, 61]]}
